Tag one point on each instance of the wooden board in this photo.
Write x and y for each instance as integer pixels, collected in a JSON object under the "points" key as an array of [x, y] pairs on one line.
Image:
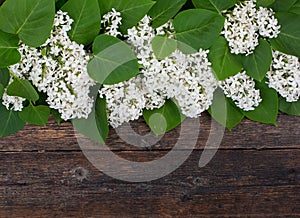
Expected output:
{"points": [[256, 172]]}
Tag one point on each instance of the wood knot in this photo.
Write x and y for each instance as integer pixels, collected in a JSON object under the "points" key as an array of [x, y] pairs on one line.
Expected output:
{"points": [[186, 197], [80, 173], [198, 181]]}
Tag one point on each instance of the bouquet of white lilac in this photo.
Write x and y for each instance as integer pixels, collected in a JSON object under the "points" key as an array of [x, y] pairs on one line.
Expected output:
{"points": [[102, 63]]}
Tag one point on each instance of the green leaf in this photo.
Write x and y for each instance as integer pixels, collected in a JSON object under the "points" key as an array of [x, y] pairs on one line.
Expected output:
{"points": [[288, 40], [291, 108], [87, 20], [258, 63], [4, 76], [36, 115], [198, 28], [10, 122], [285, 5], [56, 116], [215, 5], [224, 63], [1, 90], [113, 61], [59, 3], [31, 20], [163, 46], [22, 88], [88, 127], [42, 99], [132, 11], [264, 3], [101, 117], [224, 112], [164, 10], [267, 111], [9, 53], [295, 8], [163, 119], [185, 49]]}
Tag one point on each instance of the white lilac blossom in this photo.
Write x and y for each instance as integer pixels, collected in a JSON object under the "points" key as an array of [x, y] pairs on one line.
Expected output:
{"points": [[197, 81], [12, 102], [186, 78], [240, 28], [284, 76], [111, 21], [244, 25], [125, 101], [267, 23], [241, 89], [59, 68]]}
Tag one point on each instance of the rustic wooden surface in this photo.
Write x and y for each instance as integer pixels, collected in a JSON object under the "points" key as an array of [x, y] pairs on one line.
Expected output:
{"points": [[255, 173]]}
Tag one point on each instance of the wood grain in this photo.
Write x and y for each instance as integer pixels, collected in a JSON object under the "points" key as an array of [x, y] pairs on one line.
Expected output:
{"points": [[247, 135], [255, 173]]}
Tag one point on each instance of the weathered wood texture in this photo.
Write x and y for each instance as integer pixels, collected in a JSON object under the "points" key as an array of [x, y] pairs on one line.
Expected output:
{"points": [[255, 173]]}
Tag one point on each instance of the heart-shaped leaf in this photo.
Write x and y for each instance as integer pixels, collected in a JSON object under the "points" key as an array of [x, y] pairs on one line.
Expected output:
{"points": [[224, 112], [87, 20], [22, 88], [163, 10], [224, 64], [101, 117], [10, 122], [56, 116], [258, 63], [163, 46], [288, 40], [267, 111], [198, 28], [31, 20], [291, 108], [113, 61], [8, 49], [36, 115], [163, 119], [89, 127]]}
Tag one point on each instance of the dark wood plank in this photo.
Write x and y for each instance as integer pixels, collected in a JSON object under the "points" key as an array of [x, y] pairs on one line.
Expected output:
{"points": [[247, 135], [235, 182], [255, 173], [236, 202]]}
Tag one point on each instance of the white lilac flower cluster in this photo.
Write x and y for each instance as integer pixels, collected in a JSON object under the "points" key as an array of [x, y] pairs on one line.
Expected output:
{"points": [[124, 100], [188, 79], [12, 102], [241, 89], [246, 23], [284, 76], [111, 21], [58, 68]]}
